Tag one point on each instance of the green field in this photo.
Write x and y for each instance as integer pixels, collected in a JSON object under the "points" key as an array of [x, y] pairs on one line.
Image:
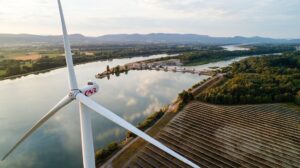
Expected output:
{"points": [[15, 53], [2, 72]]}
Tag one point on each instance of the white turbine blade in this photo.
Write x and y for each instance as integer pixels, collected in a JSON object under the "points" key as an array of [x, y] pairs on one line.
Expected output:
{"points": [[66, 100], [68, 53], [123, 123]]}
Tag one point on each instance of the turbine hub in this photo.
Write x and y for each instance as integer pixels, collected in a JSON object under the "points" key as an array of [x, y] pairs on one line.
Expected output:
{"points": [[72, 94], [89, 89]]}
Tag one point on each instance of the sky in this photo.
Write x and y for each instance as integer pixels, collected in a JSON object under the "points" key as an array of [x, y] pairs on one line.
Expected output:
{"points": [[268, 18]]}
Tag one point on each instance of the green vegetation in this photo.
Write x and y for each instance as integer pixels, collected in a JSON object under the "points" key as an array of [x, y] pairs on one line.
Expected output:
{"points": [[199, 83], [18, 61], [102, 154], [2, 72], [117, 70], [298, 98], [185, 97], [203, 57], [259, 80], [148, 122], [53, 57]]}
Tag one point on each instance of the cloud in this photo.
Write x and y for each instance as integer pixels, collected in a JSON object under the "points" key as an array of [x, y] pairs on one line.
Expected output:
{"points": [[143, 87], [132, 117], [154, 106], [108, 133], [149, 82], [131, 102], [151, 108], [275, 18], [121, 96]]}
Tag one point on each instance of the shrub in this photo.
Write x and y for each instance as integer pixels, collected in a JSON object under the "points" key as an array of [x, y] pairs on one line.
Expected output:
{"points": [[102, 154], [297, 99]]}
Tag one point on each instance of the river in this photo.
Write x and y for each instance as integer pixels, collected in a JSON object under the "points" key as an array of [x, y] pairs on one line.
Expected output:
{"points": [[134, 96], [235, 47]]}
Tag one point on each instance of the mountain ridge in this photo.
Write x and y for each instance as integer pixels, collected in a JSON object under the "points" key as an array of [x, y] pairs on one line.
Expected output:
{"points": [[30, 39]]}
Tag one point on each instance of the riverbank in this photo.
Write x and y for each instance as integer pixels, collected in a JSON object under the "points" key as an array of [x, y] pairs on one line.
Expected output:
{"points": [[186, 59], [53, 57], [190, 132], [63, 66], [30, 73], [129, 96], [238, 70], [129, 147]]}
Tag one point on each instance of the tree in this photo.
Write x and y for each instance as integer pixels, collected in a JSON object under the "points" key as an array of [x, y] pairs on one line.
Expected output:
{"points": [[186, 96], [259, 80], [298, 98], [13, 70], [117, 70], [102, 154]]}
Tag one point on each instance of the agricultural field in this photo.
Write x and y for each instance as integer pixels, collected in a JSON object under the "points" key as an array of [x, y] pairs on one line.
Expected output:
{"points": [[265, 135], [2, 72], [27, 56]]}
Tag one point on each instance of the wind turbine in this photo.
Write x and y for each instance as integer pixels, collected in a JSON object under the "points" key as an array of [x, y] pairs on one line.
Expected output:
{"points": [[85, 103]]}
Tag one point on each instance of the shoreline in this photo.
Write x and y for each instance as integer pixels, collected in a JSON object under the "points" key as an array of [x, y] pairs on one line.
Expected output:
{"points": [[54, 68], [196, 89], [142, 61], [172, 110], [29, 73]]}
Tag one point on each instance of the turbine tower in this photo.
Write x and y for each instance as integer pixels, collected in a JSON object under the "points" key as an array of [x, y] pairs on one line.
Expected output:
{"points": [[85, 103]]}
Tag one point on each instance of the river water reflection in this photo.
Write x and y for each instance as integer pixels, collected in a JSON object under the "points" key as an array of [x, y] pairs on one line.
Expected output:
{"points": [[132, 96]]}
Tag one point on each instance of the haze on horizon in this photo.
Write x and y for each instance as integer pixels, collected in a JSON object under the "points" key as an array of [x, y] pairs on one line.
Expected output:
{"points": [[268, 18]]}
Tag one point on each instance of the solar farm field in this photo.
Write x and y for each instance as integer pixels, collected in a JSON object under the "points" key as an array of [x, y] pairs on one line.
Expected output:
{"points": [[265, 135]]}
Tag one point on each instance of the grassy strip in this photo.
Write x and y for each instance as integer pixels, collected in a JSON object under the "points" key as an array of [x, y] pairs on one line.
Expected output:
{"points": [[2, 73], [102, 154], [196, 63]]}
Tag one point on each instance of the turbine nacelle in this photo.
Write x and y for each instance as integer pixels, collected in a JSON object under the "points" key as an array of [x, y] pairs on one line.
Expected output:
{"points": [[89, 89]]}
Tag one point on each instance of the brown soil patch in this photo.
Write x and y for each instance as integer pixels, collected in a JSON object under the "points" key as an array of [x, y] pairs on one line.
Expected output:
{"points": [[29, 56]]}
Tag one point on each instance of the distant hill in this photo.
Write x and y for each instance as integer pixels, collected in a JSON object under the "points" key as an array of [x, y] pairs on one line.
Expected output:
{"points": [[28, 39]]}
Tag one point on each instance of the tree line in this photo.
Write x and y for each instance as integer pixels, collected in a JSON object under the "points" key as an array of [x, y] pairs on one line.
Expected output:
{"points": [[17, 67], [191, 54], [203, 57], [265, 79]]}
